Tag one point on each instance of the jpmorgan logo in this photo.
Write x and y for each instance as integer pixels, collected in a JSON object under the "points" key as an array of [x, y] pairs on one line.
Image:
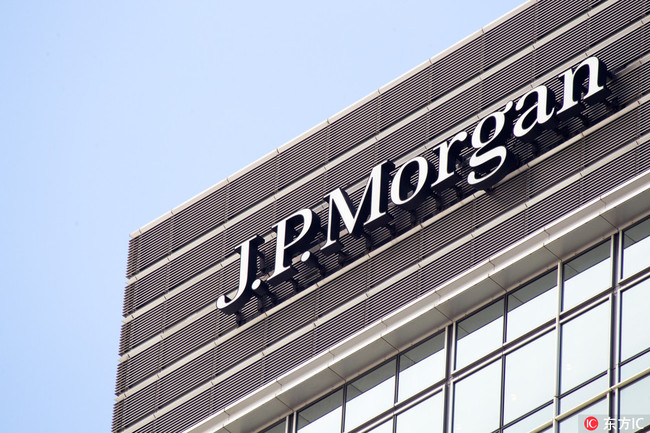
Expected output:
{"points": [[488, 162]]}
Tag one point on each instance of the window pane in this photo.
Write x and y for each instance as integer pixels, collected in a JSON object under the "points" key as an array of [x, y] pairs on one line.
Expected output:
{"points": [[574, 423], [425, 417], [479, 334], [323, 416], [586, 275], [635, 320], [370, 395], [532, 421], [477, 402], [583, 394], [635, 366], [585, 347], [525, 390], [532, 305], [421, 366], [278, 428], [635, 401], [386, 427], [636, 248]]}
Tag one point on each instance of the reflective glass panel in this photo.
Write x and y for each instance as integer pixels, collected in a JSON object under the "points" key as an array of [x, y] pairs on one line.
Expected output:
{"points": [[585, 346], [530, 373], [386, 427], [636, 249], [477, 402], [278, 428], [421, 366], [574, 423], [635, 401], [324, 416], [635, 366], [532, 421], [586, 276], [635, 320], [424, 417], [583, 394], [479, 334], [532, 305], [370, 395]]}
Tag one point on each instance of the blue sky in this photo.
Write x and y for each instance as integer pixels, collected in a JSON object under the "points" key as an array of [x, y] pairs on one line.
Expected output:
{"points": [[112, 113]]}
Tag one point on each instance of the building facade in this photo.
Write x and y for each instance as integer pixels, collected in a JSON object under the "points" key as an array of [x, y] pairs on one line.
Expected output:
{"points": [[465, 250]]}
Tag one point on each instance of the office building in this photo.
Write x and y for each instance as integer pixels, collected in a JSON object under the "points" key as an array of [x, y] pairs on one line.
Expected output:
{"points": [[465, 250]]}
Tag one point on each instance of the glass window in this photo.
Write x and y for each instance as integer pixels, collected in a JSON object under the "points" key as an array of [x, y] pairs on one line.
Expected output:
{"points": [[278, 428], [575, 423], [424, 417], [635, 366], [370, 395], [532, 421], [386, 427], [474, 410], [525, 391], [586, 275], [324, 416], [585, 347], [635, 320], [532, 305], [583, 394], [421, 366], [479, 334], [635, 401], [636, 249]]}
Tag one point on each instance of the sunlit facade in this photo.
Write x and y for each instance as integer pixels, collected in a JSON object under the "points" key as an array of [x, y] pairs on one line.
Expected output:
{"points": [[465, 250]]}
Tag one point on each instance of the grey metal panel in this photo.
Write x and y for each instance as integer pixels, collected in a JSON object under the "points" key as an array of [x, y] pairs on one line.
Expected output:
{"points": [[457, 67], [291, 317], [188, 339], [185, 415], [238, 385], [146, 364], [392, 298], [343, 288], [506, 196], [252, 186], [340, 327], [405, 98], [493, 240], [259, 222], [154, 244], [616, 16], [241, 346], [196, 260], [302, 158], [394, 259], [513, 76], [278, 362], [353, 128], [548, 172], [305, 196], [187, 377], [563, 47], [553, 13], [445, 267], [403, 140], [351, 170], [147, 325], [200, 217], [151, 286], [510, 36], [192, 299], [454, 111]]}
